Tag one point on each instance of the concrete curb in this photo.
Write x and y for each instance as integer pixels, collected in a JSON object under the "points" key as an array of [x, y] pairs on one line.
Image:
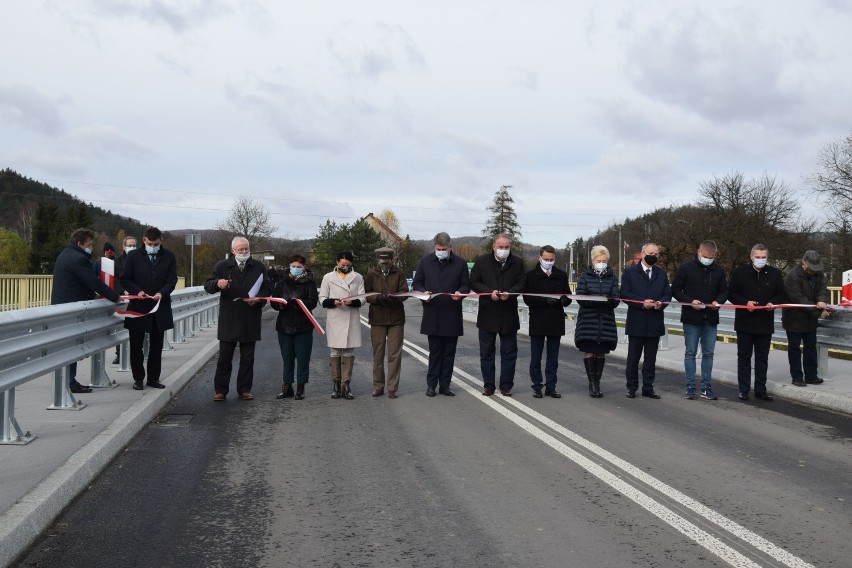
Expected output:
{"points": [[28, 518]]}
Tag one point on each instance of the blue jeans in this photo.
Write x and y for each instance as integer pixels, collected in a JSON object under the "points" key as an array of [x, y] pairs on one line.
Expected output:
{"points": [[537, 343], [692, 334], [808, 354], [508, 358]]}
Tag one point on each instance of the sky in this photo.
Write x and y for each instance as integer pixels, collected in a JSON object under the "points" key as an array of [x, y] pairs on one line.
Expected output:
{"points": [[166, 111]]}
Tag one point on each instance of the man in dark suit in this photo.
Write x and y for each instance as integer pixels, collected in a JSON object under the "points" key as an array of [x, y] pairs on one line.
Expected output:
{"points": [[647, 283], [239, 315], [151, 273], [442, 322], [547, 319], [500, 274], [74, 280]]}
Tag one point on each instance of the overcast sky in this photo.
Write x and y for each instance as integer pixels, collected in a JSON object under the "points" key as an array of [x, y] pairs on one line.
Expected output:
{"points": [[594, 111]]}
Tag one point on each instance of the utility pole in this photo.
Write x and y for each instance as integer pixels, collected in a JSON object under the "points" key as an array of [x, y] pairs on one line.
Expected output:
{"points": [[620, 253]]}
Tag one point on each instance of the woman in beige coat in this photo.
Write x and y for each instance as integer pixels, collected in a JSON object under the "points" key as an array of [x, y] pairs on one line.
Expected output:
{"points": [[343, 321]]}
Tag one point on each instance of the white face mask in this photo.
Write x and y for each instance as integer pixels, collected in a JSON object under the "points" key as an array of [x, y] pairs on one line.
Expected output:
{"points": [[705, 261], [442, 254], [501, 254], [546, 264], [243, 257], [128, 249], [600, 267], [759, 262]]}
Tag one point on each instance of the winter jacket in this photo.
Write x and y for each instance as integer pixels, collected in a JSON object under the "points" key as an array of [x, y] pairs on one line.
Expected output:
{"points": [[392, 312], [694, 281], [488, 275], [635, 285], [803, 289], [764, 286], [291, 319], [74, 279], [595, 319], [546, 317], [140, 274], [239, 322], [442, 316], [343, 324]]}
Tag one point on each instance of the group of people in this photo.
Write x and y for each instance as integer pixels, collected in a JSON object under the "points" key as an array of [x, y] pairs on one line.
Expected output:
{"points": [[442, 278]]}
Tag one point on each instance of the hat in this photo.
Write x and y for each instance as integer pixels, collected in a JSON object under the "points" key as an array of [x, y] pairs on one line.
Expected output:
{"points": [[108, 246], [384, 253], [813, 259]]}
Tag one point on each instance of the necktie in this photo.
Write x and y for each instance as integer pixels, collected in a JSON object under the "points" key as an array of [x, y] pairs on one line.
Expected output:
{"points": [[153, 257], [241, 265], [648, 272], [548, 273]]}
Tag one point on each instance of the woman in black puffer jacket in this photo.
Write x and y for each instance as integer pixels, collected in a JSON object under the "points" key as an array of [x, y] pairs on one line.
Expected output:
{"points": [[595, 332]]}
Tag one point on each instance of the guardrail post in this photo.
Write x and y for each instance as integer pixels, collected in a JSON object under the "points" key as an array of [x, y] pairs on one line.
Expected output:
{"points": [[124, 356], [11, 431], [822, 359], [62, 397], [100, 379], [664, 340]]}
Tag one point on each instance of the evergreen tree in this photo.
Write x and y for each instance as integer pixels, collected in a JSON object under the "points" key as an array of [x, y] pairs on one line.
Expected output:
{"points": [[503, 220], [50, 236]]}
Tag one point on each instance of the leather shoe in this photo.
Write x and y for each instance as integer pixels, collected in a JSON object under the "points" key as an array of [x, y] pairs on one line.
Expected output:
{"points": [[488, 391], [816, 381], [77, 388], [446, 392], [391, 393], [742, 396], [650, 394], [138, 386], [430, 391], [379, 391], [246, 396], [537, 394], [631, 394], [219, 396], [552, 394], [800, 384], [115, 361], [506, 392], [764, 396], [156, 385]]}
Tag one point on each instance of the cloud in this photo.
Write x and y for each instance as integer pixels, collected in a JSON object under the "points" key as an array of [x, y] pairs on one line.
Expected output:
{"points": [[24, 105], [177, 16], [526, 78], [375, 51], [106, 141], [637, 170], [174, 65]]}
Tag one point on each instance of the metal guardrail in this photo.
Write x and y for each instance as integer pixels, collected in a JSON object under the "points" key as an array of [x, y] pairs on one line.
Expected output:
{"points": [[37, 341]]}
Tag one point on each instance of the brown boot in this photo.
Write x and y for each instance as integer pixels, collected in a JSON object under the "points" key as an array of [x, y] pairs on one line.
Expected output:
{"points": [[334, 362]]}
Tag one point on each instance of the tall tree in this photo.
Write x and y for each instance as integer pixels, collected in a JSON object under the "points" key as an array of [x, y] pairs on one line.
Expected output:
{"points": [[503, 220], [389, 218], [14, 253], [49, 238], [249, 219], [834, 178]]}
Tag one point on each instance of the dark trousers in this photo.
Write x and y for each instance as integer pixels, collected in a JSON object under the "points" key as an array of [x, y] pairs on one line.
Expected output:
{"points": [[296, 353], [155, 355], [72, 373], [508, 357], [807, 356], [748, 343], [537, 347], [442, 357], [636, 347], [245, 374]]}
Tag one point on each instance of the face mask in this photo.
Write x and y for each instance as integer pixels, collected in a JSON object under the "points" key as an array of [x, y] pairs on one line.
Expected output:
{"points": [[152, 250], [384, 261], [243, 257], [650, 259], [705, 261], [344, 269], [759, 263], [297, 270], [442, 254], [546, 264], [88, 250], [501, 254], [600, 267], [128, 249]]}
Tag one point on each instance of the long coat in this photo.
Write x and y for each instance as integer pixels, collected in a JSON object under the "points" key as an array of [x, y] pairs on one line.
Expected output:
{"points": [[74, 280], [291, 319], [442, 316], [707, 284], [142, 275], [803, 289], [635, 285], [239, 322], [596, 320], [394, 282], [764, 286], [545, 318], [486, 276], [343, 324]]}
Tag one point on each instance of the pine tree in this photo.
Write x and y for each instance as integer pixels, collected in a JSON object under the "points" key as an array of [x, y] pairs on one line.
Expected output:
{"points": [[503, 220]]}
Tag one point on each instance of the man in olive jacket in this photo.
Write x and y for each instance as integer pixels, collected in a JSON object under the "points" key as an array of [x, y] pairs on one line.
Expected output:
{"points": [[500, 274], [805, 284], [755, 284], [239, 315], [387, 320]]}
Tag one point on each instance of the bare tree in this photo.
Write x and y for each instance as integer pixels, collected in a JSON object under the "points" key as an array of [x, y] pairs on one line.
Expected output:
{"points": [[834, 178], [26, 219], [248, 219], [389, 218]]}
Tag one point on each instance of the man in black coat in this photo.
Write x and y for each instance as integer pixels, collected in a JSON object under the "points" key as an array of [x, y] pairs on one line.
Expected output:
{"points": [[74, 280], [700, 281], [647, 283], [500, 274], [547, 319], [755, 284], [240, 311], [805, 284], [442, 322], [152, 274]]}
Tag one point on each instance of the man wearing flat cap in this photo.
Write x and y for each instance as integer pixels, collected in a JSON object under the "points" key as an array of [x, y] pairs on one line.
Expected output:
{"points": [[805, 284], [386, 318]]}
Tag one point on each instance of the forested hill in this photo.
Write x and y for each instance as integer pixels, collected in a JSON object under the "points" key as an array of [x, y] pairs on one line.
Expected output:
{"points": [[20, 197]]}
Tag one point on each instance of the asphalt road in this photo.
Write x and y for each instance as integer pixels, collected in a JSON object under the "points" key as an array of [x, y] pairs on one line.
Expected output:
{"points": [[465, 481]]}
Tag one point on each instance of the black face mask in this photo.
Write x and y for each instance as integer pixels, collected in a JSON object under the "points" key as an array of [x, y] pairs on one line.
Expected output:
{"points": [[650, 259]]}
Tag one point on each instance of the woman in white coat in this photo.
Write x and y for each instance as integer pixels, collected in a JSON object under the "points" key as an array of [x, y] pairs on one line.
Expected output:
{"points": [[343, 321]]}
